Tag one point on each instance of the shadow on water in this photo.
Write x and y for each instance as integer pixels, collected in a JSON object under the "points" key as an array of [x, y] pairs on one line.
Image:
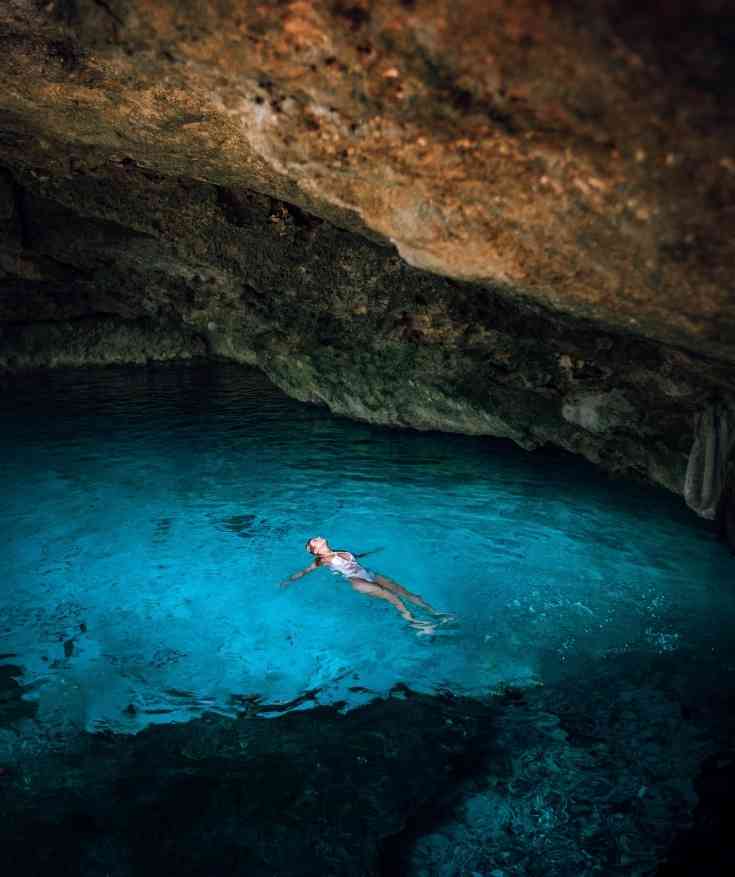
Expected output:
{"points": [[14, 707]]}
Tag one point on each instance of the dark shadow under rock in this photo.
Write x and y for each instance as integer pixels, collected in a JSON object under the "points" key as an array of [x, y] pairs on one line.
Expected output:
{"points": [[725, 518], [708, 847], [12, 705], [312, 792]]}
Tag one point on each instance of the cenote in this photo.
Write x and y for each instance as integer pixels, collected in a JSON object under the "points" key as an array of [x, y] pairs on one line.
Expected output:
{"points": [[148, 517]]}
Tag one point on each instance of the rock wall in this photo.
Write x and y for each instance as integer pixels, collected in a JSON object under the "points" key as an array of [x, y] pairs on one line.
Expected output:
{"points": [[135, 266], [504, 219]]}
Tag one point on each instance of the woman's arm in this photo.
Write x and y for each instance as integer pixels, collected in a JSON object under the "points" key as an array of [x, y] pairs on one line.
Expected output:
{"points": [[365, 553], [300, 574]]}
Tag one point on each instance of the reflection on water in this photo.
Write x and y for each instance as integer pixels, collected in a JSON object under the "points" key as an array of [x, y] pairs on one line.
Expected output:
{"points": [[148, 516]]}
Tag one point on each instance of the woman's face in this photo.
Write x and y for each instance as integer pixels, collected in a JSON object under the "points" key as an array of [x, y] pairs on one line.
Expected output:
{"points": [[317, 545]]}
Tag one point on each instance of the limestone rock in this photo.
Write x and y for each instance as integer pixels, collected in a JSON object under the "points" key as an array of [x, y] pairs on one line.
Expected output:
{"points": [[136, 266], [714, 441], [502, 219], [598, 412], [579, 155]]}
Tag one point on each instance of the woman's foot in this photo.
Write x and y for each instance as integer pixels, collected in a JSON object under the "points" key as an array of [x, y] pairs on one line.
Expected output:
{"points": [[423, 628], [445, 617]]}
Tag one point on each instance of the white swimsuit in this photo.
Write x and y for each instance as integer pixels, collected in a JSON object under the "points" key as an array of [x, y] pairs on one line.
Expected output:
{"points": [[349, 568]]}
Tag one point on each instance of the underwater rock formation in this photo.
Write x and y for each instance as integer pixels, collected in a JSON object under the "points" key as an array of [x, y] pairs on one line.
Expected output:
{"points": [[309, 793], [504, 219], [595, 772], [13, 706]]}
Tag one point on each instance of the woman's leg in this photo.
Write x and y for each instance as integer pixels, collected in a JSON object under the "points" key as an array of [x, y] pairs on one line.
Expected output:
{"points": [[374, 590], [395, 588]]}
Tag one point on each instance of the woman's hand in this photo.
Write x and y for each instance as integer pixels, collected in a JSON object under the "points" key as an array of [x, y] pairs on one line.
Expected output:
{"points": [[297, 575]]}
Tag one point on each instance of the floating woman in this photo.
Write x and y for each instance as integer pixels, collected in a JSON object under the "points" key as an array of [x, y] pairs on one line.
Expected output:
{"points": [[366, 582]]}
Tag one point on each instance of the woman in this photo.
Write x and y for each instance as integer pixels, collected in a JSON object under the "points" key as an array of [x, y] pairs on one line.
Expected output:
{"points": [[366, 582]]}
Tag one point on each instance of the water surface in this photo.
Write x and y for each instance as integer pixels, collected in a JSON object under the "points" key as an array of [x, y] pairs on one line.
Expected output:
{"points": [[148, 516]]}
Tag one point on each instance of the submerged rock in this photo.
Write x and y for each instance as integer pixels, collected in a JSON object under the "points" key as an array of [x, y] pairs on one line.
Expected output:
{"points": [[13, 706], [309, 793], [594, 771]]}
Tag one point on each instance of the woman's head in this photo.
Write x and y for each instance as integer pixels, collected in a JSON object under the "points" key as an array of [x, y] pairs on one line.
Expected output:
{"points": [[317, 545]]}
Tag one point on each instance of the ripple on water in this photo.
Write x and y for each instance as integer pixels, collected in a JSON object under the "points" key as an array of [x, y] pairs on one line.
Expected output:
{"points": [[149, 515]]}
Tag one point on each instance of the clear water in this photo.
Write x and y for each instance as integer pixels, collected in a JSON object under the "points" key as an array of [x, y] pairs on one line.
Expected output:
{"points": [[148, 516]]}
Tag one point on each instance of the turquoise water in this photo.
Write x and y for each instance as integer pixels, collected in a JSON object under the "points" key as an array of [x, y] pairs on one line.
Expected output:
{"points": [[148, 516]]}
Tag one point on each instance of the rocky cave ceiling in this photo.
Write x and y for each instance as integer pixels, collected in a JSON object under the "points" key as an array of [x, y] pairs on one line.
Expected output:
{"points": [[564, 171]]}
